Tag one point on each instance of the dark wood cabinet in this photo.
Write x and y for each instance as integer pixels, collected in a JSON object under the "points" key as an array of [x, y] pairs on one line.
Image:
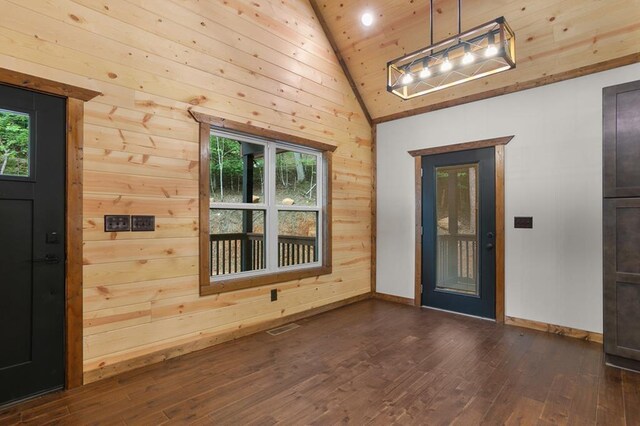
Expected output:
{"points": [[622, 277], [621, 109]]}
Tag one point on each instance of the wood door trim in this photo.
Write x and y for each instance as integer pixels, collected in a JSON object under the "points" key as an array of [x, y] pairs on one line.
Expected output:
{"points": [[43, 85], [499, 210], [76, 96], [500, 246], [73, 304], [417, 300], [484, 143]]}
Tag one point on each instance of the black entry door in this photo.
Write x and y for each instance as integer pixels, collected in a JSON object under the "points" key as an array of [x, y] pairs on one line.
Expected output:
{"points": [[458, 219], [32, 194]]}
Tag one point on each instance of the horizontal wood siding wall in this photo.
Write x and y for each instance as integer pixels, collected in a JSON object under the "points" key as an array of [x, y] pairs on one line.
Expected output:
{"points": [[153, 61]]}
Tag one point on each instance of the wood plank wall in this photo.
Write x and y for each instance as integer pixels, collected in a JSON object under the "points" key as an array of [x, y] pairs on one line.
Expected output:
{"points": [[263, 62]]}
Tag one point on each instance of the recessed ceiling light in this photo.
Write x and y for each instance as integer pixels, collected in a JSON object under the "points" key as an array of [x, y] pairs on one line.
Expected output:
{"points": [[367, 19]]}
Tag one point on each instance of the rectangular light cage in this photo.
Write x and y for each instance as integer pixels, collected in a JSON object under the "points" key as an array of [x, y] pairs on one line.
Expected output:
{"points": [[481, 51]]}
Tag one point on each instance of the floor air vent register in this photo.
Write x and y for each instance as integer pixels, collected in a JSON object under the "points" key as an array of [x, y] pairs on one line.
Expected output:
{"points": [[280, 330]]}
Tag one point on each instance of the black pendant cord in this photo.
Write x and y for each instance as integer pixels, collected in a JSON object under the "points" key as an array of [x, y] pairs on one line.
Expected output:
{"points": [[431, 21], [459, 16]]}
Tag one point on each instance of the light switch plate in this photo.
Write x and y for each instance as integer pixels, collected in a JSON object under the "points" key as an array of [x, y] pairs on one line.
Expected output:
{"points": [[523, 222], [117, 223], [143, 223]]}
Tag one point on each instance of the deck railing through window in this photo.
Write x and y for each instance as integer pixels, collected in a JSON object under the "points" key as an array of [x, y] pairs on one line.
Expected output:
{"points": [[466, 263], [238, 252]]}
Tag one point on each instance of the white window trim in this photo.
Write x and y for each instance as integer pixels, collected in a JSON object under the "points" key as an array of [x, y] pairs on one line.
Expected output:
{"points": [[271, 208]]}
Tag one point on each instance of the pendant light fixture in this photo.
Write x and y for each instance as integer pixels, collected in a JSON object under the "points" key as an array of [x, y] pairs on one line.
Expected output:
{"points": [[481, 51]]}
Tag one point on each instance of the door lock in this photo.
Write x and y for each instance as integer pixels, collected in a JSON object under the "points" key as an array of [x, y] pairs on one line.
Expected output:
{"points": [[52, 238]]}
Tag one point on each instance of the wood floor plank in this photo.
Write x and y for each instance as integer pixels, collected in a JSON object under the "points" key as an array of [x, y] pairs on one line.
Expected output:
{"points": [[370, 363], [631, 395], [558, 403], [526, 412], [610, 410]]}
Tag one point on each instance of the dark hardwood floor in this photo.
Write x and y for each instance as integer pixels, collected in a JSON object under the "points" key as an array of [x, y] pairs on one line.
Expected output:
{"points": [[373, 362]]}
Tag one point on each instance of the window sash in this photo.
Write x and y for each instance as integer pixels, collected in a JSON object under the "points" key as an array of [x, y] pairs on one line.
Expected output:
{"points": [[271, 207]]}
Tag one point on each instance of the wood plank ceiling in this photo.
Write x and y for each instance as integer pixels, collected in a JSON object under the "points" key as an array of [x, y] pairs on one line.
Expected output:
{"points": [[553, 38]]}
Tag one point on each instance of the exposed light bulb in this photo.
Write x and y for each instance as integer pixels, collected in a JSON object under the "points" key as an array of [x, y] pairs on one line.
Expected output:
{"points": [[446, 65], [426, 72], [406, 79], [468, 58], [366, 19], [492, 50]]}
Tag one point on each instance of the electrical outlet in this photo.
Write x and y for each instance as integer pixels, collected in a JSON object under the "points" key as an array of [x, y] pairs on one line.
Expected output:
{"points": [[143, 223], [117, 223], [274, 295]]}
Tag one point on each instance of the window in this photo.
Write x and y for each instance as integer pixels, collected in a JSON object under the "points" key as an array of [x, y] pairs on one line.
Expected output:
{"points": [[15, 144], [265, 203]]}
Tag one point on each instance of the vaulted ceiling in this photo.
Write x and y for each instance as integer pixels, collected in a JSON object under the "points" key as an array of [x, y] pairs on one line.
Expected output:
{"points": [[553, 38]]}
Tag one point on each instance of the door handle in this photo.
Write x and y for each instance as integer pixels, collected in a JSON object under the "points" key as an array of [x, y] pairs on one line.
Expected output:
{"points": [[50, 259], [489, 246]]}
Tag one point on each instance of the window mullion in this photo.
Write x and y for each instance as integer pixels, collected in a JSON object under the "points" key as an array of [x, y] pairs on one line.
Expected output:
{"points": [[320, 200], [272, 216]]}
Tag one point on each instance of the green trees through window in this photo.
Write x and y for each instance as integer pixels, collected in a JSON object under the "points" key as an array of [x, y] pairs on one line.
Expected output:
{"points": [[295, 173], [14, 144], [225, 177]]}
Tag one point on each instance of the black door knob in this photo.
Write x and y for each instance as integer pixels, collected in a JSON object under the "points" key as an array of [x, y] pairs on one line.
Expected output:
{"points": [[489, 246]]}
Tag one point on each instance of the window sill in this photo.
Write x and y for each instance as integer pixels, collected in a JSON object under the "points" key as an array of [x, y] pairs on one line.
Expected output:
{"points": [[223, 285]]}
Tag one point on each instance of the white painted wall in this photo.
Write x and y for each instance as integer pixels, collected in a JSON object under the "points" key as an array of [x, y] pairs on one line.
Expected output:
{"points": [[553, 172]]}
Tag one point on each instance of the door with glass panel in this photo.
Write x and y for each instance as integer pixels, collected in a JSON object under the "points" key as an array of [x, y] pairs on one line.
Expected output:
{"points": [[32, 230], [458, 220]]}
